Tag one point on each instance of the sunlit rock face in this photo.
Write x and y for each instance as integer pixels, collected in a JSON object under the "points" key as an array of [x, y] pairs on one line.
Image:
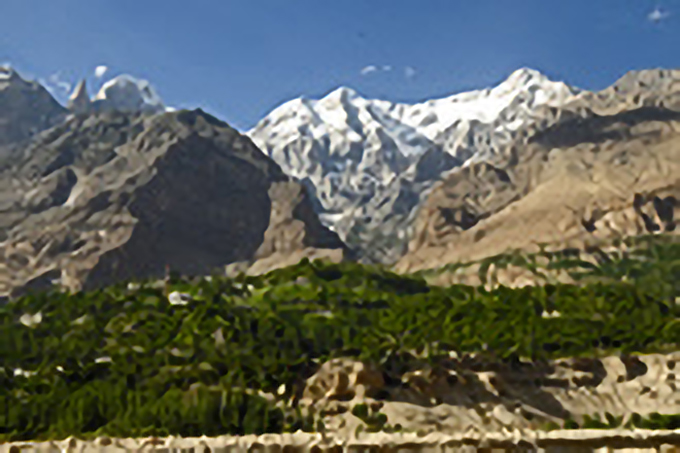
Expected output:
{"points": [[601, 167], [113, 196]]}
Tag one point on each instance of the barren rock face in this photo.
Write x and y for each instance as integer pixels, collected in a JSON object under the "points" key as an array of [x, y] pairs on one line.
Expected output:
{"points": [[79, 101], [603, 169], [113, 196], [344, 380], [471, 394]]}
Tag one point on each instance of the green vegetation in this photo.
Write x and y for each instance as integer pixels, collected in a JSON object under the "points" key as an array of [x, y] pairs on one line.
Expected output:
{"points": [[123, 361], [374, 420], [651, 261]]}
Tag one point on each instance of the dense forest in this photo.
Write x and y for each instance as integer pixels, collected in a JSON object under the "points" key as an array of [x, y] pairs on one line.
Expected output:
{"points": [[193, 356]]}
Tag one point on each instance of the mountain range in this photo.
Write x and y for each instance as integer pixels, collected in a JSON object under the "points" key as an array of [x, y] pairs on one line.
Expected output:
{"points": [[118, 189], [601, 167], [371, 162], [119, 185]]}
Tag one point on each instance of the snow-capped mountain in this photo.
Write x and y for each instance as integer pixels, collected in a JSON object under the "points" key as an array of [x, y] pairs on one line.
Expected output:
{"points": [[128, 93], [122, 93], [367, 162], [371, 161]]}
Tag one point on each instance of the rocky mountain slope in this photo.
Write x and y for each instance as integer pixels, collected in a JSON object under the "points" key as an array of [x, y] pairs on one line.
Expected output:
{"points": [[26, 107], [606, 168], [113, 194], [370, 162]]}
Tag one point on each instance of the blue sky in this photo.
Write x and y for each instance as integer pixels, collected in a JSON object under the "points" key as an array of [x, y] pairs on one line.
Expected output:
{"points": [[240, 59]]}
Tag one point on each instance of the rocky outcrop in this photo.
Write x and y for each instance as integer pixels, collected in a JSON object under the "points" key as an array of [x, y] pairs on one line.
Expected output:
{"points": [[602, 168], [26, 108], [472, 394], [343, 380], [113, 196], [79, 102]]}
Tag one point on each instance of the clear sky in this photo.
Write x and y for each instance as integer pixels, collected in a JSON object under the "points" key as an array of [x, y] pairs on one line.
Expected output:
{"points": [[238, 59]]}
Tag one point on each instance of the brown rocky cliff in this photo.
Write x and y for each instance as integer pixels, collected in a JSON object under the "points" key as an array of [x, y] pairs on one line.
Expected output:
{"points": [[606, 168], [114, 196]]}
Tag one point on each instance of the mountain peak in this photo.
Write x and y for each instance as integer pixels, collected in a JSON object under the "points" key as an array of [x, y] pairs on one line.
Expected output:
{"points": [[527, 79], [79, 100], [525, 76], [7, 72], [129, 93], [27, 107], [342, 93]]}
